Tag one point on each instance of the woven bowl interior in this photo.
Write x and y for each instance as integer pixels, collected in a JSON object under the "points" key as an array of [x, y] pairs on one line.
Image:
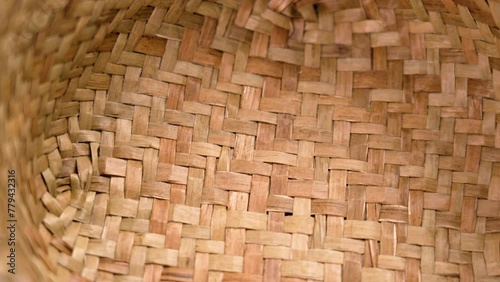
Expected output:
{"points": [[252, 140]]}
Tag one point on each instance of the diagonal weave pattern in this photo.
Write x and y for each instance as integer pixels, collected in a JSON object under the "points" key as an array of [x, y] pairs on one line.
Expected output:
{"points": [[255, 140]]}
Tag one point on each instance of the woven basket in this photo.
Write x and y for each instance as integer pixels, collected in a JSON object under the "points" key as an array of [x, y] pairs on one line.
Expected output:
{"points": [[227, 140]]}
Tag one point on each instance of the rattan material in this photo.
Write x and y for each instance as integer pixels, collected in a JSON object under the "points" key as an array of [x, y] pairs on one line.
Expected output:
{"points": [[253, 141]]}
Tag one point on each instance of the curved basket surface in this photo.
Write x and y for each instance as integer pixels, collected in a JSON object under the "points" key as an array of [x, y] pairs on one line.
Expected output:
{"points": [[252, 140]]}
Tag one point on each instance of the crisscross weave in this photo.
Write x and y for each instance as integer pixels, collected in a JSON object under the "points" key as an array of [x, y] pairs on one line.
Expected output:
{"points": [[253, 140]]}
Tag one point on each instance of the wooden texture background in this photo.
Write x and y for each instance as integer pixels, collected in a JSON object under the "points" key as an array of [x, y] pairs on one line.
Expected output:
{"points": [[253, 140]]}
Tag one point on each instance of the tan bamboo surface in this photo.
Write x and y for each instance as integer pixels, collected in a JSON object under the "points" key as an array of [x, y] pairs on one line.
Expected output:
{"points": [[252, 140]]}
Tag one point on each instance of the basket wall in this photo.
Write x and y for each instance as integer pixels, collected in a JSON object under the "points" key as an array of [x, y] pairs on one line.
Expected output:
{"points": [[253, 140]]}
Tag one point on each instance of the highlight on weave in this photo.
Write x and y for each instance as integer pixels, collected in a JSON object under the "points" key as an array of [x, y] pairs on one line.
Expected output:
{"points": [[253, 140]]}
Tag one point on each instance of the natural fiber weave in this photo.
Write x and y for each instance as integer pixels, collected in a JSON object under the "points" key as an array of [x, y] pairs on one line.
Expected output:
{"points": [[251, 140]]}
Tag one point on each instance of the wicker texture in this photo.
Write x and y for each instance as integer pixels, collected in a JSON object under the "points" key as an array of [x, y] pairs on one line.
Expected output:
{"points": [[254, 140]]}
